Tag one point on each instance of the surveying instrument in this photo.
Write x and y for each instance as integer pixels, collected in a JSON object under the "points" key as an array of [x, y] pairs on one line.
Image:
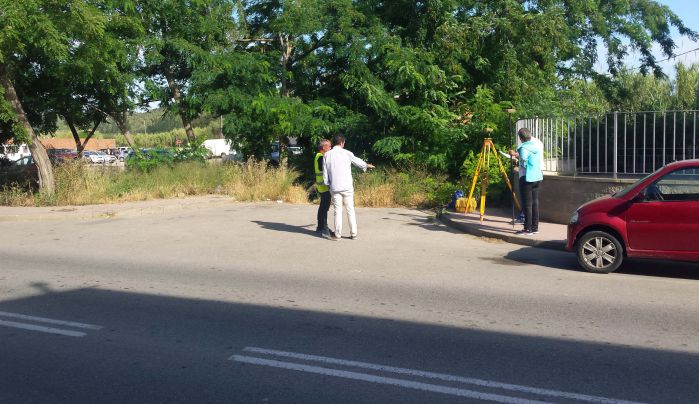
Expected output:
{"points": [[482, 173]]}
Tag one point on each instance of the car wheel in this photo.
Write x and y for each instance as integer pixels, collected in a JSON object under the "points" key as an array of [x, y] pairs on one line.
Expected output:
{"points": [[599, 252]]}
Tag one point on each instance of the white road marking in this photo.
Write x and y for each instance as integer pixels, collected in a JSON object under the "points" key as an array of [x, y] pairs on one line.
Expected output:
{"points": [[440, 376], [383, 380], [40, 328], [50, 321]]}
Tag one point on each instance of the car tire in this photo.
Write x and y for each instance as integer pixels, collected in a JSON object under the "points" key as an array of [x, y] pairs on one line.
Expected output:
{"points": [[599, 252]]}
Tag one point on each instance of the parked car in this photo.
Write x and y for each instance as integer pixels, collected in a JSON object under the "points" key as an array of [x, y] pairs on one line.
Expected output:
{"points": [[93, 157], [233, 157], [15, 152], [122, 153], [108, 158], [61, 155], [21, 171], [655, 217]]}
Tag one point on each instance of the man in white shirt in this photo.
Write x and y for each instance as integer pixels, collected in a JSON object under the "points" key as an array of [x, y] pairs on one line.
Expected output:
{"points": [[337, 175]]}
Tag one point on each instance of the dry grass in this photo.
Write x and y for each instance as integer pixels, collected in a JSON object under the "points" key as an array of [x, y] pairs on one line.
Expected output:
{"points": [[391, 189], [79, 184]]}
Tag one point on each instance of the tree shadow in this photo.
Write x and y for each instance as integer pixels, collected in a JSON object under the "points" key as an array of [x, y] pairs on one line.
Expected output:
{"points": [[427, 222], [158, 348]]}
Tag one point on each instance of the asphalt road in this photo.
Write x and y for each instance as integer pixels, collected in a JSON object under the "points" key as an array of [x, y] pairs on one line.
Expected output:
{"points": [[243, 303]]}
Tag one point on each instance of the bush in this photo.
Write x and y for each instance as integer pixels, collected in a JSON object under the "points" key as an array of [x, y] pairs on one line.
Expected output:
{"points": [[413, 188], [149, 159], [192, 152]]}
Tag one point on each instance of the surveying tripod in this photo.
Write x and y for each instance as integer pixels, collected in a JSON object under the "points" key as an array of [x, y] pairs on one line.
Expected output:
{"points": [[484, 164]]}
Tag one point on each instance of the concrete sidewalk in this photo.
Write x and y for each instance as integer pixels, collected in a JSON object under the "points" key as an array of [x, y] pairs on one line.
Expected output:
{"points": [[497, 224]]}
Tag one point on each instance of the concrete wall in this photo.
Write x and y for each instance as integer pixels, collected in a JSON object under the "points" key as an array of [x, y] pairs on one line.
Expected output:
{"points": [[561, 195]]}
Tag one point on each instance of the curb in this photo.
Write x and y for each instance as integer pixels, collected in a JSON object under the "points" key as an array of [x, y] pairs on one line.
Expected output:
{"points": [[509, 238]]}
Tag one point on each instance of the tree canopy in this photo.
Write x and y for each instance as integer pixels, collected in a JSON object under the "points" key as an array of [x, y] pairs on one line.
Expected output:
{"points": [[410, 82]]}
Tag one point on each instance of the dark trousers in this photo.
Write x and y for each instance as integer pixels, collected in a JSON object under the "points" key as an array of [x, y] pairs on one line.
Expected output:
{"points": [[323, 210], [530, 203]]}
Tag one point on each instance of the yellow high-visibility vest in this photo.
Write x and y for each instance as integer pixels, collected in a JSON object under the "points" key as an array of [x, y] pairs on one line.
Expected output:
{"points": [[320, 186]]}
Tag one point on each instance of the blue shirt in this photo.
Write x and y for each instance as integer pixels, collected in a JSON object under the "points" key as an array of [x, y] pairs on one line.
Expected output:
{"points": [[530, 160]]}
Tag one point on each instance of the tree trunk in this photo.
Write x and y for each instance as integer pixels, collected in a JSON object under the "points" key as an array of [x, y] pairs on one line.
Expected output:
{"points": [[41, 158], [122, 124], [76, 136], [287, 48], [177, 95]]}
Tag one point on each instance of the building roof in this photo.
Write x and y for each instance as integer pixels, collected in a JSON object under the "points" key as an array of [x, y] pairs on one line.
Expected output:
{"points": [[69, 143]]}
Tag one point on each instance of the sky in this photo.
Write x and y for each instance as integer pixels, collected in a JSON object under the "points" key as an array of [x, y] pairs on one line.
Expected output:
{"points": [[687, 11]]}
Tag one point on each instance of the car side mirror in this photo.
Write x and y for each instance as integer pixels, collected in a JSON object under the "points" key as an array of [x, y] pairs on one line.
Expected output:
{"points": [[640, 197]]}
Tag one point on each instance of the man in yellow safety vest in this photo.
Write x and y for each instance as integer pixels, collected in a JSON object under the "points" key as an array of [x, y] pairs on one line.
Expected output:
{"points": [[323, 190]]}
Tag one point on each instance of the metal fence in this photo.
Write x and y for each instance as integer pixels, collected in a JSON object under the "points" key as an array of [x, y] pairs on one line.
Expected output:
{"points": [[615, 144]]}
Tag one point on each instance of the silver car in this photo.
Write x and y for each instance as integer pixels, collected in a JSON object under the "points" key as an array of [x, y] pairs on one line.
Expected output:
{"points": [[93, 157]]}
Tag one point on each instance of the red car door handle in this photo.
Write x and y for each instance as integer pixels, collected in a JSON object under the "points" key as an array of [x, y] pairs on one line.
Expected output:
{"points": [[639, 221]]}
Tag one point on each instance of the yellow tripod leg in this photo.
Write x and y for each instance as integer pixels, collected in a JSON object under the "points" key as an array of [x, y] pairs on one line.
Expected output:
{"points": [[475, 176], [507, 180], [484, 180]]}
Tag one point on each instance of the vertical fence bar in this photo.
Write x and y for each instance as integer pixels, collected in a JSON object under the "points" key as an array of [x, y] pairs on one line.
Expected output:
{"points": [[614, 147], [654, 115], [568, 138], [644, 143], [598, 143], [589, 147], [664, 135], [606, 143], [559, 151], [575, 144], [625, 146], [674, 136], [694, 142], [549, 137], [635, 124], [684, 139]]}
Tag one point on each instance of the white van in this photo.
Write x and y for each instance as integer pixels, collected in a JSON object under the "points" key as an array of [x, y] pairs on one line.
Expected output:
{"points": [[218, 147], [15, 152]]}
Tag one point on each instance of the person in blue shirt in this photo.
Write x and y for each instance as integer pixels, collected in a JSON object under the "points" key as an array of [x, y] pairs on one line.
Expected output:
{"points": [[530, 155]]}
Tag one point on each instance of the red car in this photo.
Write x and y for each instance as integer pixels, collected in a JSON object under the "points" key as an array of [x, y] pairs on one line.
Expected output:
{"points": [[655, 217]]}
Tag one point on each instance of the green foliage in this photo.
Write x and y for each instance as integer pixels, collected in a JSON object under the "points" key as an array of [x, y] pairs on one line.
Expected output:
{"points": [[191, 152], [150, 159], [409, 83]]}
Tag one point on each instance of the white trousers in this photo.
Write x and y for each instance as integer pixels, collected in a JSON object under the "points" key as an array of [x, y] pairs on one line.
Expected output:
{"points": [[345, 198]]}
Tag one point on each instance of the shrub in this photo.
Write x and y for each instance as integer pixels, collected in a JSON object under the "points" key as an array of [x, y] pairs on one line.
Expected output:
{"points": [[150, 159]]}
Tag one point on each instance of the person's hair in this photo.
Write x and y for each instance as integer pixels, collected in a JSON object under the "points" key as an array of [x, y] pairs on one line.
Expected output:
{"points": [[322, 142], [524, 134], [338, 139]]}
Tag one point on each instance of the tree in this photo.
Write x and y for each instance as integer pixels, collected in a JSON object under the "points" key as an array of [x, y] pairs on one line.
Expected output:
{"points": [[686, 86], [181, 36], [35, 34]]}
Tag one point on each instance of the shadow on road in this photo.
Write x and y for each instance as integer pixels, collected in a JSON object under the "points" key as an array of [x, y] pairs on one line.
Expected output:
{"points": [[567, 261], [285, 227], [426, 222], [157, 348]]}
